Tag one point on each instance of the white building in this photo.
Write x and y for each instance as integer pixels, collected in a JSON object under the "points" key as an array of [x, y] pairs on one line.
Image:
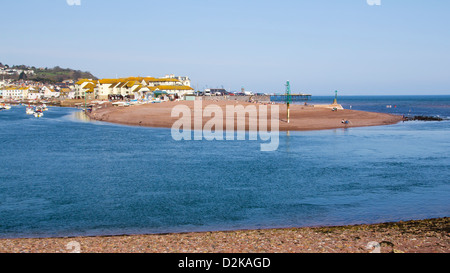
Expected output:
{"points": [[85, 87], [15, 92], [49, 92], [133, 87], [66, 93], [13, 71], [34, 94]]}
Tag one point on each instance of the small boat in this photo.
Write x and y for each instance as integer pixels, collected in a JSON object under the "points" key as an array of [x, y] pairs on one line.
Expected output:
{"points": [[38, 113], [29, 111], [44, 107], [5, 106], [121, 104]]}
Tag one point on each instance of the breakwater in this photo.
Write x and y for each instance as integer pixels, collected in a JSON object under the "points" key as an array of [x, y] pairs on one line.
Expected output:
{"points": [[423, 118]]}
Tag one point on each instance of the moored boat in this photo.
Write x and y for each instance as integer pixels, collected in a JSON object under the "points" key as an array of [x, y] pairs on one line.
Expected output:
{"points": [[38, 113], [29, 111], [4, 106]]}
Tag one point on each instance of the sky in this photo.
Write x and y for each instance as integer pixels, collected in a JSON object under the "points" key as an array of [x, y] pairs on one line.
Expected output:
{"points": [[400, 47]]}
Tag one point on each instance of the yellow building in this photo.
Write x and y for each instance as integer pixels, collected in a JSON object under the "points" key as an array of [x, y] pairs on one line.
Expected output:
{"points": [[85, 87], [132, 87]]}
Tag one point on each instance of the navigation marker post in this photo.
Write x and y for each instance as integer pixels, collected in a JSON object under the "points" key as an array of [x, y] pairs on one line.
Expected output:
{"points": [[288, 99]]}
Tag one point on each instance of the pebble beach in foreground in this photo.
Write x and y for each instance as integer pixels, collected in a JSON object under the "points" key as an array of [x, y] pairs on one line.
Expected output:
{"points": [[422, 236]]}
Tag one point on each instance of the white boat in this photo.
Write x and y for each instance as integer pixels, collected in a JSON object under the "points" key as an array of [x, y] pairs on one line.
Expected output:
{"points": [[44, 107], [38, 113], [5, 106], [121, 104], [29, 111]]}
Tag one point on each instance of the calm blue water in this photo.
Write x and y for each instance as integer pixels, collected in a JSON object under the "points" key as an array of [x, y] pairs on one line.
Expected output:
{"points": [[60, 176], [400, 105]]}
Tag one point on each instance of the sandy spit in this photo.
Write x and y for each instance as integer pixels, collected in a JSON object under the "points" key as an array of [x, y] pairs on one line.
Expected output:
{"points": [[302, 118]]}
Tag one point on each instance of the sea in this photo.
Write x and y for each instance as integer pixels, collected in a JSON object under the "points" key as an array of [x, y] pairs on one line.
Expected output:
{"points": [[63, 175]]}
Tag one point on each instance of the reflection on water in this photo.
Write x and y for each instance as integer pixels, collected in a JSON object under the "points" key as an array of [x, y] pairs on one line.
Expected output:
{"points": [[81, 116]]}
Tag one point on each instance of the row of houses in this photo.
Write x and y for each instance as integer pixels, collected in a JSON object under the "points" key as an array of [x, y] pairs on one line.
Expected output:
{"points": [[15, 92], [133, 87], [103, 89], [4, 70]]}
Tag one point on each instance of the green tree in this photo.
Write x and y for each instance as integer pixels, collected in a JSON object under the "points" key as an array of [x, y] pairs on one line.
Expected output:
{"points": [[23, 76], [76, 75]]}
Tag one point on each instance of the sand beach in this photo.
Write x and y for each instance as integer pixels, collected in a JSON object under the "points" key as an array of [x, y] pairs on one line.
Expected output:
{"points": [[302, 118]]}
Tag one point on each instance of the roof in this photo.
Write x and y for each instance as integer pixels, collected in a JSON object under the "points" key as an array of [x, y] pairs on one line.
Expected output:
{"points": [[113, 85], [130, 84], [15, 88], [89, 86], [80, 82], [170, 87], [162, 80], [108, 81], [137, 88], [121, 84], [131, 79]]}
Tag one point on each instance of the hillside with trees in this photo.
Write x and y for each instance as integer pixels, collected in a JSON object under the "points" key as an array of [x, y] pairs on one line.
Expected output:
{"points": [[45, 75]]}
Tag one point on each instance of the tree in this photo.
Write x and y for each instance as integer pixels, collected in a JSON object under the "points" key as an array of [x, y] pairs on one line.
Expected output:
{"points": [[60, 78], [76, 75], [22, 76]]}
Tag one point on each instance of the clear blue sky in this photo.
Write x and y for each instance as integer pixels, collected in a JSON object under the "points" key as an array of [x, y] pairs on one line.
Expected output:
{"points": [[399, 47]]}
